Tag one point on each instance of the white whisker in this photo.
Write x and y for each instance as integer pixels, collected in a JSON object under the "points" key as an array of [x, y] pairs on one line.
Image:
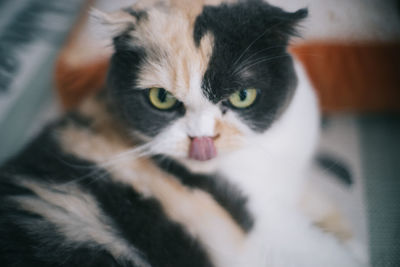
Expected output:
{"points": [[253, 42], [249, 58], [262, 60]]}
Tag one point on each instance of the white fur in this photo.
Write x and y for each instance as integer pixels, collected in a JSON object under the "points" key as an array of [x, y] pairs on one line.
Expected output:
{"points": [[201, 114], [272, 175]]}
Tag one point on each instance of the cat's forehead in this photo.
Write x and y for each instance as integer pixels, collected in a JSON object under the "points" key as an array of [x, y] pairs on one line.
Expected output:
{"points": [[168, 24], [175, 60], [191, 8], [172, 58]]}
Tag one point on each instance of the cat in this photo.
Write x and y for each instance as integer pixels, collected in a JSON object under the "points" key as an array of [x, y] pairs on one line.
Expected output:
{"points": [[194, 154]]}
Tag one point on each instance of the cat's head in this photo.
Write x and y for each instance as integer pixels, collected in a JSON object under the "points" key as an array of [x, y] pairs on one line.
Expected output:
{"points": [[198, 80]]}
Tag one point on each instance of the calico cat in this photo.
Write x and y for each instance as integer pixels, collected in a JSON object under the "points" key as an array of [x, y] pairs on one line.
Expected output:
{"points": [[193, 155]]}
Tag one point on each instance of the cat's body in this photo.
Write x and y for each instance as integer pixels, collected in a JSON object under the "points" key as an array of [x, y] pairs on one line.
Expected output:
{"points": [[124, 181]]}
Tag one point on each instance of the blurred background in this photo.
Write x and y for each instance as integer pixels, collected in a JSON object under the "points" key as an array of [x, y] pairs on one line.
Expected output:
{"points": [[52, 56]]}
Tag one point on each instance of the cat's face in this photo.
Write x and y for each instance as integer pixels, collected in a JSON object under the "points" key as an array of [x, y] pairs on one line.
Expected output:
{"points": [[198, 82]]}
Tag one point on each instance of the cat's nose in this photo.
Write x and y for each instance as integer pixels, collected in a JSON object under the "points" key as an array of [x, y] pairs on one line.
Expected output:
{"points": [[200, 123], [202, 148]]}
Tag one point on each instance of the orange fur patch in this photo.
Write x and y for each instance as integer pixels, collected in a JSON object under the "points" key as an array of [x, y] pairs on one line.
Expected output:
{"points": [[228, 136]]}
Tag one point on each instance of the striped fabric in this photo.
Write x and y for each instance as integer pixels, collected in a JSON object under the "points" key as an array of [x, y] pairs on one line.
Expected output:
{"points": [[31, 33]]}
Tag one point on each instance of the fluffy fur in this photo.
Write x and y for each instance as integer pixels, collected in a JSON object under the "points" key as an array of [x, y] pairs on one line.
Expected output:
{"points": [[111, 184]]}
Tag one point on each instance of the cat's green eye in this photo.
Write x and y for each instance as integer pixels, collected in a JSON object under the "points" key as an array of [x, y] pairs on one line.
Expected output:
{"points": [[161, 99], [243, 98]]}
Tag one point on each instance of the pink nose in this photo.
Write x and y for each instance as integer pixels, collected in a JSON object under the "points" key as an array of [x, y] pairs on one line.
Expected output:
{"points": [[202, 148]]}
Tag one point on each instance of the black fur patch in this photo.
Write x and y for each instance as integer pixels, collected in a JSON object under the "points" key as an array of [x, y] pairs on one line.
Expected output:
{"points": [[130, 102], [250, 52], [141, 222], [335, 166], [47, 248], [229, 197]]}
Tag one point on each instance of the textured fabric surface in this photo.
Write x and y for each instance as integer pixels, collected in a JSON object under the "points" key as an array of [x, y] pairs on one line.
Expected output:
{"points": [[31, 34], [380, 152]]}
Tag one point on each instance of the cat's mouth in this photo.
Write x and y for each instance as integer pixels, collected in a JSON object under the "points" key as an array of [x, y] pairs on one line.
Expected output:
{"points": [[202, 148]]}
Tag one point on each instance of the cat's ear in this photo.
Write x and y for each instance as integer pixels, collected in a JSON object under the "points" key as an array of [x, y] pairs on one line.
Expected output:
{"points": [[116, 22], [288, 24]]}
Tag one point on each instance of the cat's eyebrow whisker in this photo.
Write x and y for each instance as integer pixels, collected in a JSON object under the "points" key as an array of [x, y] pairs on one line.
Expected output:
{"points": [[249, 58], [251, 64], [246, 63], [257, 61], [254, 41]]}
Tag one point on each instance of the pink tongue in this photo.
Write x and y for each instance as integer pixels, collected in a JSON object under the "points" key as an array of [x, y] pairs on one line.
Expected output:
{"points": [[202, 148]]}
